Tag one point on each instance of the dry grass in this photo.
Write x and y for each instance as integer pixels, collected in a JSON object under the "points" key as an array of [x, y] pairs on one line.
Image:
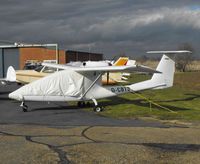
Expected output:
{"points": [[194, 66], [187, 80]]}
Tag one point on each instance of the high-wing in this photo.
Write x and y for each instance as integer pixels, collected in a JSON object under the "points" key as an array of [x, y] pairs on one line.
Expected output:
{"points": [[134, 68]]}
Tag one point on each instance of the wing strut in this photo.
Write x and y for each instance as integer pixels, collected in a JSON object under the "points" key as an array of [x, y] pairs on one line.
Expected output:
{"points": [[92, 84]]}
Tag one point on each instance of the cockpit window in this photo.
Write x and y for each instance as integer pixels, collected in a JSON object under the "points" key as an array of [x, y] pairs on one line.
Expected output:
{"points": [[49, 70], [38, 69], [60, 69]]}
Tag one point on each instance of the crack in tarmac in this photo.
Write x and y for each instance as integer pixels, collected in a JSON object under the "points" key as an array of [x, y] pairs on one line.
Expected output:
{"points": [[83, 134], [63, 155]]}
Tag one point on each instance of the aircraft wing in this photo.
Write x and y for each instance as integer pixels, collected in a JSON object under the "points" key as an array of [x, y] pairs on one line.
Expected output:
{"points": [[132, 68], [135, 68], [58, 66]]}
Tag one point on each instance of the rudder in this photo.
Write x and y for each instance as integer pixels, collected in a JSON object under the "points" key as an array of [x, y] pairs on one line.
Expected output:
{"points": [[167, 67]]}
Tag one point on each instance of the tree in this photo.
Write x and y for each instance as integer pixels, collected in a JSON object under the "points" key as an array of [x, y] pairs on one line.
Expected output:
{"points": [[182, 61], [143, 59]]}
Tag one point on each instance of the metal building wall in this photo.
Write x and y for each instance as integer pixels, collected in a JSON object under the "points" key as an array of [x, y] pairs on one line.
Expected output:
{"points": [[8, 57], [1, 63]]}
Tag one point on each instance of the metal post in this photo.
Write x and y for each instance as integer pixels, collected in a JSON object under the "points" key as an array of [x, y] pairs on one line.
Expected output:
{"points": [[3, 69], [57, 54]]}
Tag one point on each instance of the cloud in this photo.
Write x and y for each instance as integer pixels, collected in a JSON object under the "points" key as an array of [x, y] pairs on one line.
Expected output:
{"points": [[108, 26]]}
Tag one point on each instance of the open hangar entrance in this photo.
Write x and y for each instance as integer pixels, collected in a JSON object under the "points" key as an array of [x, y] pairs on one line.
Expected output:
{"points": [[8, 57]]}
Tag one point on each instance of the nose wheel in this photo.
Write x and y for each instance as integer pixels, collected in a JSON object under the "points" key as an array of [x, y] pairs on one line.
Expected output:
{"points": [[24, 107]]}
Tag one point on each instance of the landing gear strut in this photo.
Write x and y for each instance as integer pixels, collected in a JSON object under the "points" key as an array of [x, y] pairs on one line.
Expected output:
{"points": [[24, 107], [97, 108]]}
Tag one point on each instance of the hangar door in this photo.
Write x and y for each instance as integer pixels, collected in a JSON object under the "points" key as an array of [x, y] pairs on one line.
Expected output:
{"points": [[9, 57]]}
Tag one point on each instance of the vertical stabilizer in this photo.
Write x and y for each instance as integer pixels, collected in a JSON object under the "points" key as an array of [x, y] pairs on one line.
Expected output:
{"points": [[11, 75], [159, 80], [121, 61], [167, 67]]}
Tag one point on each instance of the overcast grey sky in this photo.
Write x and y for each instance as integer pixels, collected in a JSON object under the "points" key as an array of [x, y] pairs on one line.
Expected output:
{"points": [[112, 27]]}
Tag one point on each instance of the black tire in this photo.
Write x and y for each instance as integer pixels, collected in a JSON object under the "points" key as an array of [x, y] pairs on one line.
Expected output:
{"points": [[88, 104], [19, 83], [81, 104], [98, 109], [25, 108]]}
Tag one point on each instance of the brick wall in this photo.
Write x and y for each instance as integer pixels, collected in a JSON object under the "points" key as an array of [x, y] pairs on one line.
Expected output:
{"points": [[40, 54]]}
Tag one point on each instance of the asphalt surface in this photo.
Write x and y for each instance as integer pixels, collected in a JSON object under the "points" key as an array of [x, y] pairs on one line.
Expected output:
{"points": [[56, 114], [58, 133]]}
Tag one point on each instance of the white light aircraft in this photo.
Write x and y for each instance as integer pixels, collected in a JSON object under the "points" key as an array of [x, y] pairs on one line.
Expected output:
{"points": [[84, 83]]}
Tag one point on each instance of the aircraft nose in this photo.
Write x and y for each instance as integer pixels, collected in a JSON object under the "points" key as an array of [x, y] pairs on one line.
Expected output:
{"points": [[16, 96]]}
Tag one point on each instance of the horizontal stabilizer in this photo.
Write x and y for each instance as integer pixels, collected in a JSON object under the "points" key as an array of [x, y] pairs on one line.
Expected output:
{"points": [[169, 52]]}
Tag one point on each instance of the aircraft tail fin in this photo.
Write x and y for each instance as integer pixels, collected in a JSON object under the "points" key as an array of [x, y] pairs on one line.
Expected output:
{"points": [[11, 75], [159, 80], [121, 61], [167, 67]]}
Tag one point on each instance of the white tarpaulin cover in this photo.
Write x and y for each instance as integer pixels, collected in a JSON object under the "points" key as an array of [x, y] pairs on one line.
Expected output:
{"points": [[62, 83]]}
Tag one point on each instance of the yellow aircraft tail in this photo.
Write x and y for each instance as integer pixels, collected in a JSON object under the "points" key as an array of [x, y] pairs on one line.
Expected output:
{"points": [[121, 61], [113, 78]]}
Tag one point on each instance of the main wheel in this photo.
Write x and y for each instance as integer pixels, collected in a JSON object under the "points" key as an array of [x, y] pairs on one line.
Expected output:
{"points": [[98, 109], [81, 104], [88, 104]]}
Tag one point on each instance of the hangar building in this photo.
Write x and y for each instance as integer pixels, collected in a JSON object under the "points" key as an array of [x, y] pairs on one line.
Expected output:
{"points": [[18, 56]]}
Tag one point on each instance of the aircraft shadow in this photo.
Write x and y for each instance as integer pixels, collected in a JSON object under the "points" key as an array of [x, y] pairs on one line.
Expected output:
{"points": [[119, 100], [139, 102], [115, 101], [4, 93], [56, 108], [193, 96], [4, 99]]}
